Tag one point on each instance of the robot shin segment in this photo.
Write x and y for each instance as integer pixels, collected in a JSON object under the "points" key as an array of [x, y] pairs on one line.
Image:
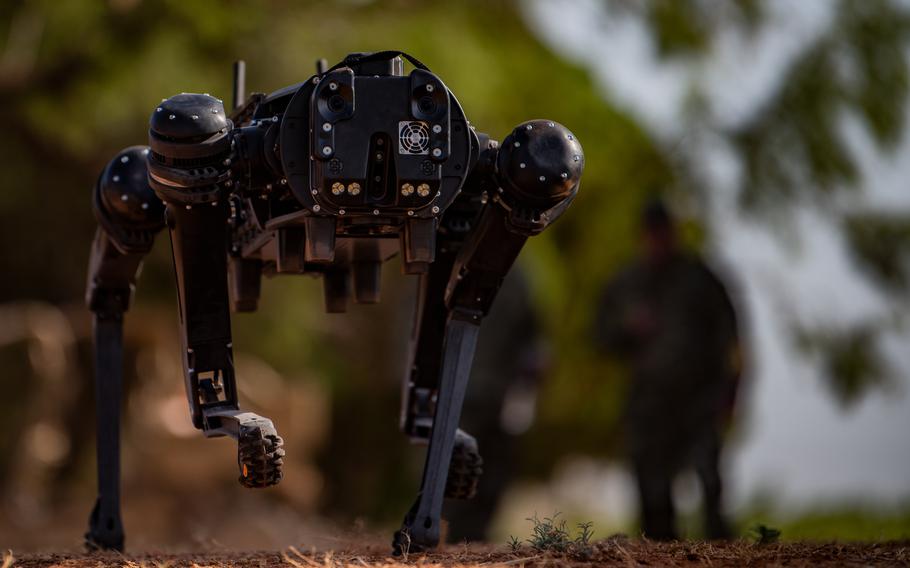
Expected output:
{"points": [[330, 177]]}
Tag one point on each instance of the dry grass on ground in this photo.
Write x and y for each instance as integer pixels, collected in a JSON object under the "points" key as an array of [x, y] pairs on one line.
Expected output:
{"points": [[616, 551]]}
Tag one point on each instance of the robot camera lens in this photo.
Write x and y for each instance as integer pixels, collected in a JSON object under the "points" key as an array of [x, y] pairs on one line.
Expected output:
{"points": [[336, 103], [426, 105]]}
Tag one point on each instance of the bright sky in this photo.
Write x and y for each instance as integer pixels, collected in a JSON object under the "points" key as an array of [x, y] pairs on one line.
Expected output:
{"points": [[798, 445]]}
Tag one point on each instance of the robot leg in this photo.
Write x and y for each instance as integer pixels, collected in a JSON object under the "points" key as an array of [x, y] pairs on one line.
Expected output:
{"points": [[537, 171], [196, 196], [129, 215]]}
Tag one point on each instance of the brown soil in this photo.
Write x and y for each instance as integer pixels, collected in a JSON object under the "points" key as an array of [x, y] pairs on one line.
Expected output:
{"points": [[616, 551]]}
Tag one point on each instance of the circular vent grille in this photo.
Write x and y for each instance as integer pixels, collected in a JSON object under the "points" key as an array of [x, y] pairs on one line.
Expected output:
{"points": [[413, 138]]}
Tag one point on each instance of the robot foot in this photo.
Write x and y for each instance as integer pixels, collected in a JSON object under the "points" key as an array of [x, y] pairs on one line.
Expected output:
{"points": [[105, 531], [259, 454], [403, 545], [465, 468]]}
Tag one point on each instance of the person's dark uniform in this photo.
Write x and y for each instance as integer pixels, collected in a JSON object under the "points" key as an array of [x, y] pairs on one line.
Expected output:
{"points": [[671, 319]]}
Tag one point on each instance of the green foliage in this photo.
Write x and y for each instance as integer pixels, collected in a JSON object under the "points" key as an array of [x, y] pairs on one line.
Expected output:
{"points": [[763, 534], [551, 535], [882, 245], [849, 357], [795, 142]]}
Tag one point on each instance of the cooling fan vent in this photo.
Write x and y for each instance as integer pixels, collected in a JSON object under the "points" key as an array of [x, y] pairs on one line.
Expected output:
{"points": [[413, 137]]}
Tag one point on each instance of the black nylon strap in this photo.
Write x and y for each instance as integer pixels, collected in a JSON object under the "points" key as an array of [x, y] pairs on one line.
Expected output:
{"points": [[355, 58]]}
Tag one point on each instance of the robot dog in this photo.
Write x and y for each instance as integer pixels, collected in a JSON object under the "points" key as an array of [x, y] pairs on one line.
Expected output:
{"points": [[329, 177]]}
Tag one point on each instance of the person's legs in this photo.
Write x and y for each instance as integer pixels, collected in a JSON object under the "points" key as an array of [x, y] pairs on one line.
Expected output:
{"points": [[707, 466], [656, 499]]}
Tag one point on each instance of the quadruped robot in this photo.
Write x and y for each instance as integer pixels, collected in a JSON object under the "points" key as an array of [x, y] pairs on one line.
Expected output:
{"points": [[330, 177]]}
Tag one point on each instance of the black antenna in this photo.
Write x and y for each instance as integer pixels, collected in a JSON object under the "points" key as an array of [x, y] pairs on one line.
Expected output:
{"points": [[239, 83], [321, 66]]}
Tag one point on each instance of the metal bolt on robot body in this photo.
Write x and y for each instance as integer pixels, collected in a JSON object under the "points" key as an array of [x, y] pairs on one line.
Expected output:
{"points": [[331, 177]]}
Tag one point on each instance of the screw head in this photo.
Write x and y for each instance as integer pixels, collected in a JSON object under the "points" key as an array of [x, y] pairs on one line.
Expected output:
{"points": [[341, 211], [430, 88], [333, 86], [437, 152], [375, 211], [326, 150], [326, 127], [410, 213], [316, 208], [435, 209], [437, 128]]}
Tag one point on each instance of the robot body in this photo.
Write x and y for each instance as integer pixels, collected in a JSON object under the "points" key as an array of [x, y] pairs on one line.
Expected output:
{"points": [[331, 177]]}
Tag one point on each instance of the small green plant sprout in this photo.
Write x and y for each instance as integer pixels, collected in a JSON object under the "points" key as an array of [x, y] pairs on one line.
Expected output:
{"points": [[551, 535], [584, 537], [763, 534], [514, 543]]}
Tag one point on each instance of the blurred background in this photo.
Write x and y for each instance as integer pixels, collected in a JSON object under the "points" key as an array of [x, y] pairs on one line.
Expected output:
{"points": [[775, 130]]}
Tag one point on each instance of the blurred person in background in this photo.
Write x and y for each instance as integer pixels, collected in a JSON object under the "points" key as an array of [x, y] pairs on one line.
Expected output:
{"points": [[512, 358], [670, 318]]}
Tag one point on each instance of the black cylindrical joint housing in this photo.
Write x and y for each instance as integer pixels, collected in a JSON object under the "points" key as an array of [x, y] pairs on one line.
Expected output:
{"points": [[125, 206], [190, 139], [540, 164]]}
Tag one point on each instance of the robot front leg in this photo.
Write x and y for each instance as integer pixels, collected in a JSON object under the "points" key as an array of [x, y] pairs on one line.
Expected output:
{"points": [[192, 145], [535, 179], [198, 240], [482, 263], [129, 215]]}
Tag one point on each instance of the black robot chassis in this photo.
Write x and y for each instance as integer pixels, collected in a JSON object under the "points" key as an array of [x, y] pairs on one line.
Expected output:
{"points": [[329, 177]]}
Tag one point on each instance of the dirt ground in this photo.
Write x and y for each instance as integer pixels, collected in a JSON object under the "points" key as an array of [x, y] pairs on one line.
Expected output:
{"points": [[617, 551]]}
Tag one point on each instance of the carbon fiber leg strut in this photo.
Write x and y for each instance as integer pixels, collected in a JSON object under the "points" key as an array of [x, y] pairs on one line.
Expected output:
{"points": [[105, 525], [420, 529]]}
